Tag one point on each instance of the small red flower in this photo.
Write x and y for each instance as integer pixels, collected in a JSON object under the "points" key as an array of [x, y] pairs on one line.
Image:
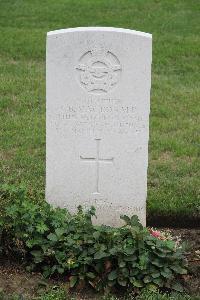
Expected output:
{"points": [[156, 233]]}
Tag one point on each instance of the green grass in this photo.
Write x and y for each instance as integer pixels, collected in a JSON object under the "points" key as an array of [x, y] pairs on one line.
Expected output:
{"points": [[62, 294], [174, 160]]}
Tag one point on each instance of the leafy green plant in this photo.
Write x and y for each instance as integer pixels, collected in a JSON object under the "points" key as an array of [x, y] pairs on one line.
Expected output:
{"points": [[55, 242]]}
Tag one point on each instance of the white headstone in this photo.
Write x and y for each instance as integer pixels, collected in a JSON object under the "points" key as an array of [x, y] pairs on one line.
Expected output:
{"points": [[98, 104]]}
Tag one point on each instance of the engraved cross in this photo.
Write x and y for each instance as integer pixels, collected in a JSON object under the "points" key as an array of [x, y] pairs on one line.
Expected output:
{"points": [[97, 161]]}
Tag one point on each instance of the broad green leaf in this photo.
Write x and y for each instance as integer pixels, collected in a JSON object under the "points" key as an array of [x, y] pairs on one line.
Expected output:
{"points": [[143, 259], [96, 235], [167, 273], [41, 227], [30, 243], [179, 270], [91, 275], [125, 272], [155, 275], [52, 237], [152, 287], [46, 273], [131, 258], [100, 255], [160, 254], [137, 283], [157, 263], [112, 275], [129, 250], [53, 269], [177, 287], [150, 243], [60, 256], [60, 270], [38, 256], [147, 279], [122, 281], [122, 264], [126, 219], [59, 232], [135, 222], [158, 281], [73, 280], [170, 244], [36, 252], [134, 272]]}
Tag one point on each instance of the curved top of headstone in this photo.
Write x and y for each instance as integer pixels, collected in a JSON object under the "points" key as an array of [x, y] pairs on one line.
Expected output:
{"points": [[100, 29]]}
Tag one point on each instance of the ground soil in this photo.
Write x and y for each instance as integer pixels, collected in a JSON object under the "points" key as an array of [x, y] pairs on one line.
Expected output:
{"points": [[175, 221], [15, 280], [192, 238]]}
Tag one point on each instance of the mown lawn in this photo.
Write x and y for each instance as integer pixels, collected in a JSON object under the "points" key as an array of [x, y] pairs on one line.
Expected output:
{"points": [[62, 294], [174, 149]]}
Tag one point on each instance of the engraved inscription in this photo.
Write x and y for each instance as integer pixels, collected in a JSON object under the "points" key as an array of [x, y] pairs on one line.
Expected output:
{"points": [[99, 71], [97, 159], [96, 117]]}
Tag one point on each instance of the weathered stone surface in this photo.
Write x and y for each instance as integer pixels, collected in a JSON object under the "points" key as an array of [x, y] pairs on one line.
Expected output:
{"points": [[98, 103]]}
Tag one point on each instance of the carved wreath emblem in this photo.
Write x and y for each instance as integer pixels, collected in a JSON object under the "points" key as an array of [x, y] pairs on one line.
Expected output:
{"points": [[99, 71]]}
